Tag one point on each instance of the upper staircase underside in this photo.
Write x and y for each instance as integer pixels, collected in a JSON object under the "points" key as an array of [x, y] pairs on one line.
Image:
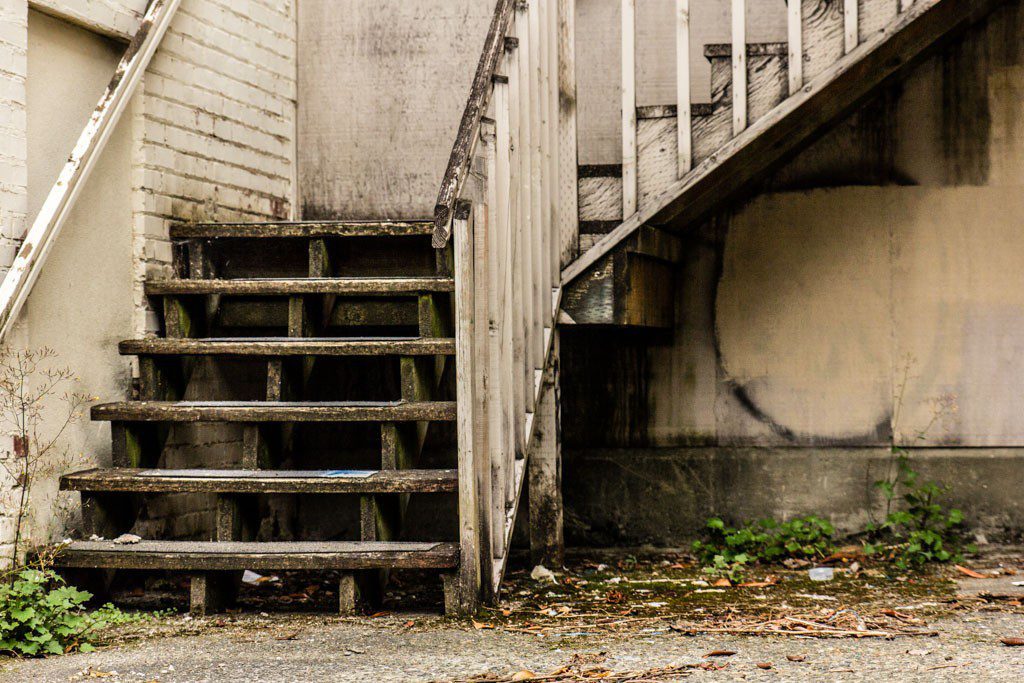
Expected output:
{"points": [[847, 51]]}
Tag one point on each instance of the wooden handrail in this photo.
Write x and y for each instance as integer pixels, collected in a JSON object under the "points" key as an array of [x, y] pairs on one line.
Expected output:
{"points": [[469, 127], [58, 204]]}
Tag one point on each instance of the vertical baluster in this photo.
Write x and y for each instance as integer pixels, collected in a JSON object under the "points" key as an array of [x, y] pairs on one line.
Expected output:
{"points": [[739, 66], [496, 422], [504, 220], [554, 245], [629, 187], [796, 47], [472, 408], [683, 120], [544, 149], [528, 208], [568, 181], [539, 219], [516, 232], [849, 25]]}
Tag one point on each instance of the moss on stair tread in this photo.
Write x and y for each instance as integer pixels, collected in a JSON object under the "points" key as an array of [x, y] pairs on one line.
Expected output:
{"points": [[381, 286], [303, 229], [237, 555], [290, 346], [274, 411], [139, 480]]}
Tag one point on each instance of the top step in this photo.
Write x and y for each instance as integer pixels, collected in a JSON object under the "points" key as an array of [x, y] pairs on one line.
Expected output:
{"points": [[307, 229]]}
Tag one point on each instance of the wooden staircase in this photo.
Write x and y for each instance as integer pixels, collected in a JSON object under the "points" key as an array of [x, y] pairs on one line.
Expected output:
{"points": [[331, 348], [768, 101], [318, 364]]}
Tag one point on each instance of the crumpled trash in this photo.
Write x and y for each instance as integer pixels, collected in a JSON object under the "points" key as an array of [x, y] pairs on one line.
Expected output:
{"points": [[821, 574], [127, 539], [542, 573], [94, 537], [252, 578]]}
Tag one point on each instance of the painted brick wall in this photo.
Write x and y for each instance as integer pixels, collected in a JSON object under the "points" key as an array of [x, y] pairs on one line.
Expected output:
{"points": [[13, 137], [212, 128], [214, 125]]}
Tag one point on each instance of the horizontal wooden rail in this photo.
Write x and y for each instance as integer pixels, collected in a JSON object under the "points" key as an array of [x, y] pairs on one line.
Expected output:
{"points": [[58, 204]]}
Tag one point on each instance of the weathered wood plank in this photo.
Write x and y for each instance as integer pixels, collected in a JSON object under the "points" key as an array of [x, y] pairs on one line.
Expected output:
{"points": [[221, 555], [794, 27], [684, 135], [629, 180], [739, 66], [470, 368], [283, 346], [544, 471], [139, 480], [262, 411], [302, 229], [284, 286]]}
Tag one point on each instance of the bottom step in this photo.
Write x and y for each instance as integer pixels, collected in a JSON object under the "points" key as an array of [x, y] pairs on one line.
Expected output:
{"points": [[236, 555]]}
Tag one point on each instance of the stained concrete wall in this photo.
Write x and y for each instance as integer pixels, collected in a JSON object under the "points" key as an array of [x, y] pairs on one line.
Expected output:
{"points": [[381, 91], [872, 294]]}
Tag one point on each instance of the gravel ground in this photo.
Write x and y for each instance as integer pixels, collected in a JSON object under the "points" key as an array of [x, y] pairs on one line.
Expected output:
{"points": [[967, 648]]}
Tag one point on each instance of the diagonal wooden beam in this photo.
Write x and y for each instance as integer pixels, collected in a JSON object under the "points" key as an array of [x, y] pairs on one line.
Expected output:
{"points": [[55, 210]]}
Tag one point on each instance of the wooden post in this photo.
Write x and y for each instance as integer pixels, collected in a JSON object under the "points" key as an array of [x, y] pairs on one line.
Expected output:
{"points": [[629, 177], [471, 418], [739, 66], [850, 31], [796, 50], [544, 467], [684, 123]]}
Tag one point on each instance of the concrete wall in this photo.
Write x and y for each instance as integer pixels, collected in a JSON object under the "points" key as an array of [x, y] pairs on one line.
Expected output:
{"points": [[871, 295], [209, 135], [381, 90]]}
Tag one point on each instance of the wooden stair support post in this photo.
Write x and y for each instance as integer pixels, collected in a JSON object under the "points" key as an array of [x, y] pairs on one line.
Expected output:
{"points": [[544, 467]]}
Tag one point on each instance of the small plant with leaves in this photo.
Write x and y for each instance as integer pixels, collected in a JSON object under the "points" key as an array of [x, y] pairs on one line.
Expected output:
{"points": [[40, 614], [729, 551], [922, 529]]}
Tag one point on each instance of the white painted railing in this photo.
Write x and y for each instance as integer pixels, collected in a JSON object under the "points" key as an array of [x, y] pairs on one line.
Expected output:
{"points": [[497, 208], [60, 200], [743, 130]]}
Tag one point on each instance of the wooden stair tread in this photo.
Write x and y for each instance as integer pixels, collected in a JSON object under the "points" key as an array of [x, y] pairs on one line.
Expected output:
{"points": [[289, 346], [287, 286], [261, 481], [274, 411], [303, 229], [238, 555]]}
